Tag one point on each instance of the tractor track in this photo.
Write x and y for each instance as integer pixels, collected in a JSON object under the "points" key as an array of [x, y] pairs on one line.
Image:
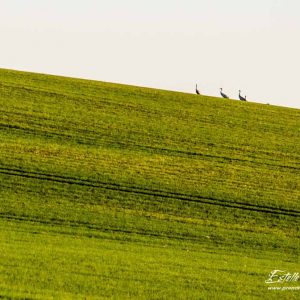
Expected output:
{"points": [[94, 227], [150, 192]]}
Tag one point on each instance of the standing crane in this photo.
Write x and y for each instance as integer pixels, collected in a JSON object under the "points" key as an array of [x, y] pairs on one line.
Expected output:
{"points": [[197, 91], [241, 97], [222, 94]]}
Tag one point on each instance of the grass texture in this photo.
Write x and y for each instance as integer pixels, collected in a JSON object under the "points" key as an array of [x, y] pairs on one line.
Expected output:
{"points": [[110, 191]]}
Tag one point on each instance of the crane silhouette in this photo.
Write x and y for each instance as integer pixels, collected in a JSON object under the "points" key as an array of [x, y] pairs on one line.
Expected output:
{"points": [[241, 97], [197, 91], [222, 94]]}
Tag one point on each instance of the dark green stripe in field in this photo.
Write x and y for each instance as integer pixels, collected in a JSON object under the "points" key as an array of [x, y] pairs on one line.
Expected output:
{"points": [[115, 191]]}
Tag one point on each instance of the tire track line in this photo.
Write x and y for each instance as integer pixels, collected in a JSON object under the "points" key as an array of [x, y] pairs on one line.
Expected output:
{"points": [[90, 226], [150, 192]]}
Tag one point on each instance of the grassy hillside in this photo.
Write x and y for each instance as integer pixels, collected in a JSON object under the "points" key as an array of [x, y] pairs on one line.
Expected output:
{"points": [[120, 192]]}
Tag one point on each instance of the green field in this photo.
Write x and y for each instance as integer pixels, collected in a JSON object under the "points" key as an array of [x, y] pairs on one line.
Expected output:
{"points": [[110, 191]]}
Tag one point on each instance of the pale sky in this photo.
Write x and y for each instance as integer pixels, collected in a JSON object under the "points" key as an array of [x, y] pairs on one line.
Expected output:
{"points": [[252, 45]]}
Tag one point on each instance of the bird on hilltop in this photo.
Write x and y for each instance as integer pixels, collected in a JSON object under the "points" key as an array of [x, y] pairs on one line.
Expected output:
{"points": [[197, 91], [222, 94], [241, 97]]}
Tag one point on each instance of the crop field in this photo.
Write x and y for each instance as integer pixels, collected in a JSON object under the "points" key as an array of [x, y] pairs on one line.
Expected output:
{"points": [[110, 191]]}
